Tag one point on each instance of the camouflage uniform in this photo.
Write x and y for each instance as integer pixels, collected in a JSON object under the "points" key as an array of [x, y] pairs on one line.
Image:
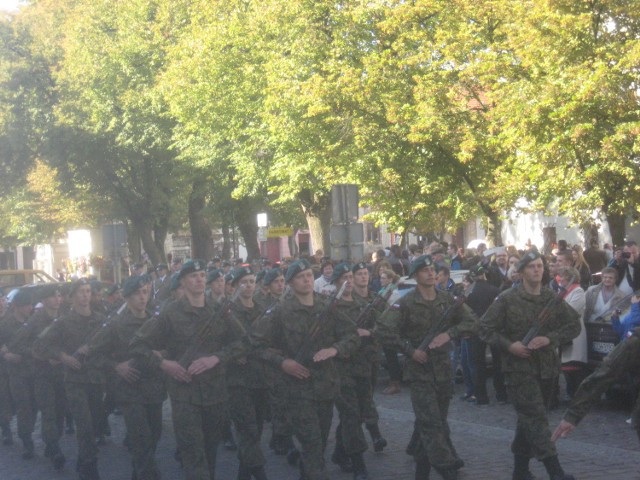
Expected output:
{"points": [[403, 327], [141, 402], [280, 335], [83, 387], [198, 407], [625, 358], [530, 381], [248, 394], [48, 382]]}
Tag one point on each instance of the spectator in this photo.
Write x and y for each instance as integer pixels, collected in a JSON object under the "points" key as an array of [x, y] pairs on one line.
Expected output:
{"points": [[596, 259], [580, 264], [628, 268], [604, 297], [323, 283], [443, 280], [625, 327], [399, 265], [497, 271], [454, 256]]}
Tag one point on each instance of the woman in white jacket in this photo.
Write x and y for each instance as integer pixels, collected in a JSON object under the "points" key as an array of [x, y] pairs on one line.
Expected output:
{"points": [[574, 355]]}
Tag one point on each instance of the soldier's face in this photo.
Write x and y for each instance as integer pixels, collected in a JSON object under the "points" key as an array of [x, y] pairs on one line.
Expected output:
{"points": [[302, 283], [247, 286], [532, 273], [82, 296], [276, 287], [217, 286], [24, 311], [361, 278], [52, 303], [426, 276], [194, 283], [137, 301], [348, 279]]}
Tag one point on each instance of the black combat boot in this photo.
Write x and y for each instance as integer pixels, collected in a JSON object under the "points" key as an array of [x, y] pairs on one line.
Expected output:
{"points": [[359, 468], [340, 458], [376, 437], [243, 472], [293, 456], [554, 469], [89, 471], [423, 468], [7, 436], [414, 443], [259, 473], [29, 449], [447, 473], [521, 468]]}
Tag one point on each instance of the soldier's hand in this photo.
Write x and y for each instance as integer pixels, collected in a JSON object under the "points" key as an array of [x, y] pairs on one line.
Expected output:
{"points": [[538, 342], [83, 350], [203, 364], [362, 332], [175, 371], [293, 368], [562, 430], [70, 362], [127, 372], [439, 340], [519, 350], [325, 354], [419, 356]]}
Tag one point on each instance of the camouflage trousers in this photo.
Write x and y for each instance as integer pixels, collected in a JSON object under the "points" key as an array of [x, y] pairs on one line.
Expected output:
{"points": [[355, 406], [198, 429], [248, 408], [144, 427], [6, 401], [85, 404], [310, 421], [23, 393], [430, 401], [51, 401], [277, 398], [530, 397]]}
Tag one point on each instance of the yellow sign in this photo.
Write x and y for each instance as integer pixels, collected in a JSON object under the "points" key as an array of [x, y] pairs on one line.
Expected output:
{"points": [[276, 232]]}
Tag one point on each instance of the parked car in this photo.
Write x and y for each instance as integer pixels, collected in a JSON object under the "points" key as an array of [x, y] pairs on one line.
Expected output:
{"points": [[10, 279]]}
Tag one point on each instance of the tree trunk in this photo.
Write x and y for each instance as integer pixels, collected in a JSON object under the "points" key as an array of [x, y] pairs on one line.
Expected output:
{"points": [[494, 229], [246, 221], [317, 210], [201, 236], [590, 232], [617, 227], [226, 240], [160, 231], [148, 244], [133, 243]]}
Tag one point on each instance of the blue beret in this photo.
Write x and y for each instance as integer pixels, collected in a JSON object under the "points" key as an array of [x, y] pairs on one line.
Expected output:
{"points": [[133, 284], [213, 275], [77, 284], [295, 268], [359, 266], [420, 262], [260, 275], [113, 289], [228, 277], [46, 291], [340, 270], [175, 282], [529, 257], [195, 265], [239, 273], [22, 298], [271, 275], [162, 266]]}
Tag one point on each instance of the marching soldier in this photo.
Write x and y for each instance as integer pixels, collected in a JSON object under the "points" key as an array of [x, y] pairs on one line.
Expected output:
{"points": [[528, 324], [421, 324], [215, 282], [162, 284], [198, 339], [66, 340], [300, 337]]}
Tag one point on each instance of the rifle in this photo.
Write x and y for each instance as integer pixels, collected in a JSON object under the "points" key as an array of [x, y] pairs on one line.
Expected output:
{"points": [[78, 354], [316, 328], [381, 298], [198, 339], [424, 345], [543, 317]]}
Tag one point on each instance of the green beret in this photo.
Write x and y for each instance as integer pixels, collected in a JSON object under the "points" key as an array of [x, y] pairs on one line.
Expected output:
{"points": [[77, 284], [260, 275], [213, 275], [48, 290], [195, 265], [22, 298], [359, 266], [175, 282], [240, 273], [420, 262], [133, 284], [271, 275], [295, 268], [529, 257], [340, 270]]}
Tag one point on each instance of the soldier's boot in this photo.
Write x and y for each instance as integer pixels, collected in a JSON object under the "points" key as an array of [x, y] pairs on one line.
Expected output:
{"points": [[7, 436], [376, 437], [359, 468], [423, 468], [555, 471], [340, 458], [244, 473], [414, 443], [521, 468], [447, 473], [28, 449], [259, 473], [293, 456], [89, 471]]}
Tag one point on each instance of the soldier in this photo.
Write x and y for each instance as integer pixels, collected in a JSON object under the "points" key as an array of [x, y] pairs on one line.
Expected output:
{"points": [[262, 291], [355, 384], [622, 360], [300, 337], [247, 383], [215, 282], [66, 340], [528, 323], [420, 325], [198, 340], [6, 403], [139, 387], [362, 294], [162, 284], [20, 369], [49, 376]]}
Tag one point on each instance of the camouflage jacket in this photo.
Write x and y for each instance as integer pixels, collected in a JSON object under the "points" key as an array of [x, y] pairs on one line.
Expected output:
{"points": [[9, 329], [359, 364], [284, 332], [110, 346], [68, 334], [24, 339], [175, 330], [510, 317], [412, 318]]}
